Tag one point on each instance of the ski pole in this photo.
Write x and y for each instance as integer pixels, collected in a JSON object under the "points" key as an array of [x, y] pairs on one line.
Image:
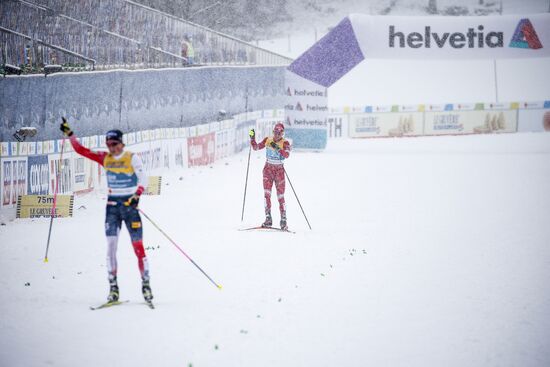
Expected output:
{"points": [[183, 252], [246, 181], [249, 150], [288, 178], [55, 197]]}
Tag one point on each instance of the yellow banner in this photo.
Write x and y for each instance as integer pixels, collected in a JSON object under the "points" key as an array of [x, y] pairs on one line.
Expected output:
{"points": [[153, 188], [36, 206]]}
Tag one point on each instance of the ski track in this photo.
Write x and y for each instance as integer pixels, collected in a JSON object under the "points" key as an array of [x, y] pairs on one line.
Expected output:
{"points": [[425, 251]]}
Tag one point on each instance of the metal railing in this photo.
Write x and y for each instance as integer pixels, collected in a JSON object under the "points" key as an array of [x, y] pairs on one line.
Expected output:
{"points": [[109, 49], [33, 54], [164, 31]]}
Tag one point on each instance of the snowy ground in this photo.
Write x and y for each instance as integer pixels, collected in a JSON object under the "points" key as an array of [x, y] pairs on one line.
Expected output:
{"points": [[424, 252]]}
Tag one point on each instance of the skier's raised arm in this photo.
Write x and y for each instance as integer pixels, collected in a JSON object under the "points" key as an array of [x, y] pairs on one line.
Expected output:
{"points": [[79, 148], [255, 145]]}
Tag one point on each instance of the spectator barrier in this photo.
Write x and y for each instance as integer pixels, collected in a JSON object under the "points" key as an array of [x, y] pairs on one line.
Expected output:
{"points": [[30, 168], [95, 102]]}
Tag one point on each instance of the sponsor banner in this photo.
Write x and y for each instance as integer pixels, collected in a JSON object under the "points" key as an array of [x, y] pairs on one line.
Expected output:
{"points": [[338, 125], [32, 148], [214, 126], [202, 129], [49, 146], [20, 178], [94, 141], [4, 149], [151, 155], [157, 134], [38, 175], [305, 109], [6, 165], [386, 124], [411, 108], [498, 106], [193, 131], [154, 185], [227, 124], [14, 180], [131, 138], [84, 172], [62, 168], [269, 114], [470, 122], [183, 132], [531, 105], [201, 149], [439, 107], [36, 206], [24, 148], [166, 150], [254, 115], [222, 144], [238, 118], [442, 37], [534, 120], [179, 153]]}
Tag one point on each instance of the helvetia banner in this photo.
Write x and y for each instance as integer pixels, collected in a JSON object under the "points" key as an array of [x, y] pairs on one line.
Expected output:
{"points": [[441, 37], [305, 112]]}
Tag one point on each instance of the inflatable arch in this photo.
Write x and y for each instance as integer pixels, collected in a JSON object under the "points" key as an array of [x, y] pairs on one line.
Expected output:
{"points": [[358, 37]]}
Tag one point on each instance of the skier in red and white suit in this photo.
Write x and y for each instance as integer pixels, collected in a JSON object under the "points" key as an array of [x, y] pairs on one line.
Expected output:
{"points": [[126, 179], [277, 150]]}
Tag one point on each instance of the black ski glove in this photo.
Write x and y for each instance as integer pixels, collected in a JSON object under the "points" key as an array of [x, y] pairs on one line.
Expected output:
{"points": [[65, 128], [133, 201]]}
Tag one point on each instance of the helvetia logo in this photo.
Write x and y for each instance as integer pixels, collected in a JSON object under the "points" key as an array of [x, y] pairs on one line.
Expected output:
{"points": [[525, 36], [470, 39]]}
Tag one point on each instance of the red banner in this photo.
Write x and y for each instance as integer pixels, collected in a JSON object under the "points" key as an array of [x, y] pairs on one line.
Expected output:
{"points": [[201, 149]]}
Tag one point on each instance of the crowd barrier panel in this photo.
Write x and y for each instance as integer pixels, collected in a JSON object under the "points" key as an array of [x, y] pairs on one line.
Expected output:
{"points": [[31, 168]]}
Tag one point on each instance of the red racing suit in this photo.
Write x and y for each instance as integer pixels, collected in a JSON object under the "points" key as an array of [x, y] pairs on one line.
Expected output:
{"points": [[274, 171], [125, 176]]}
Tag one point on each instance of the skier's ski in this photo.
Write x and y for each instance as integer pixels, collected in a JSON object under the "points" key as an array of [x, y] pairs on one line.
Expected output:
{"points": [[150, 304], [266, 229], [107, 304]]}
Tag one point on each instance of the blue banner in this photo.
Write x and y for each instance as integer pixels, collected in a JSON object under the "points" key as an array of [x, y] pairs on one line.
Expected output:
{"points": [[38, 175]]}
